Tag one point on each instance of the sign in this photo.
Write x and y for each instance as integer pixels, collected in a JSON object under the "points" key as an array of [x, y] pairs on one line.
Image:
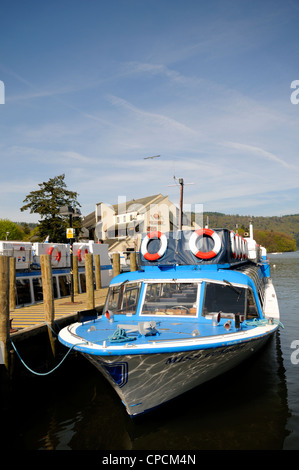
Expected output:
{"points": [[70, 233]]}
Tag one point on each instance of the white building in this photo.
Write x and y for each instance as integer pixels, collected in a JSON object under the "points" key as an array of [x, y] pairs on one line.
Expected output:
{"points": [[121, 225]]}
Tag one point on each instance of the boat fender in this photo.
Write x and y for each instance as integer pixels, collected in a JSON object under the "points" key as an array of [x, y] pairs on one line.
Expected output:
{"points": [[201, 254], [55, 257], [154, 256]]}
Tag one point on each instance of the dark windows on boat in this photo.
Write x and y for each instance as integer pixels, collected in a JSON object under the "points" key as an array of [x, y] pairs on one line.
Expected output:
{"points": [[23, 291], [225, 298], [252, 311], [229, 299], [123, 299], [170, 298]]}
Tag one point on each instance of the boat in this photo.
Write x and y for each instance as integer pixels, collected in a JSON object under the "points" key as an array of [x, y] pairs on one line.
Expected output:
{"points": [[200, 303], [28, 269]]}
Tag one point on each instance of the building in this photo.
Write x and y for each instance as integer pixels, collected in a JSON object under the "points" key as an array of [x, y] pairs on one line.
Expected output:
{"points": [[122, 224]]}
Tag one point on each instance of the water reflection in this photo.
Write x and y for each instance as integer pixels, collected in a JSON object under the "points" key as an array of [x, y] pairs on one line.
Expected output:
{"points": [[244, 409]]}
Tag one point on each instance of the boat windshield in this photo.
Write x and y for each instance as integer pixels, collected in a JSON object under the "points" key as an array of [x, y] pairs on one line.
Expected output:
{"points": [[225, 298], [123, 299], [170, 298]]}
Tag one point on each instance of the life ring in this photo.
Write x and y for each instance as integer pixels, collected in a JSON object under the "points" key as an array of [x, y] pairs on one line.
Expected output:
{"points": [[56, 257], [201, 254], [233, 244], [238, 246], [154, 256], [81, 253], [245, 248]]}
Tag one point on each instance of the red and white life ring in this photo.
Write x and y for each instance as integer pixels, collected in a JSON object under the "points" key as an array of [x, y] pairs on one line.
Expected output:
{"points": [[81, 253], [55, 254], [238, 246], [154, 256], [245, 248], [233, 244], [210, 233]]}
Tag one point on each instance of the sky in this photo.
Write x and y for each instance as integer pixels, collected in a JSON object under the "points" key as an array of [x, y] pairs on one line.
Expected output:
{"points": [[91, 88]]}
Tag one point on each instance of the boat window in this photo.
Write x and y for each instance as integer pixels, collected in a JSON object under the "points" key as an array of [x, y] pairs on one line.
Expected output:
{"points": [[23, 292], [252, 311], [64, 285], [225, 298], [123, 299], [172, 298], [37, 289]]}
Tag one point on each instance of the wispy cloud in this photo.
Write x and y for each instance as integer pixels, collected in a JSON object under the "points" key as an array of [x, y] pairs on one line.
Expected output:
{"points": [[259, 152], [156, 118]]}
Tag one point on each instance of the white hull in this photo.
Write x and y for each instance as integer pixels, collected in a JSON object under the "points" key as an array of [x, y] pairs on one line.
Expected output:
{"points": [[148, 380]]}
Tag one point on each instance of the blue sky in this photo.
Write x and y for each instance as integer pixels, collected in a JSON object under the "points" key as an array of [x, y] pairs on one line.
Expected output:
{"points": [[94, 87]]}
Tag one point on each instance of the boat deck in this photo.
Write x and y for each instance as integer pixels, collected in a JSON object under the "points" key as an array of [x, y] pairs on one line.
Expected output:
{"points": [[31, 315], [139, 332]]}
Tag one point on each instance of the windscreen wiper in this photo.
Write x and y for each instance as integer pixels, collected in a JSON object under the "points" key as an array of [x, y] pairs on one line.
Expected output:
{"points": [[232, 287]]}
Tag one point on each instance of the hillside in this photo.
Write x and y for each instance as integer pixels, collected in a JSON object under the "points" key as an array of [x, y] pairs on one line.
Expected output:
{"points": [[287, 225]]}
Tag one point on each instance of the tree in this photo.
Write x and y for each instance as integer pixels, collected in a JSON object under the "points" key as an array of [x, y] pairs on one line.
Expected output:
{"points": [[47, 202], [10, 230]]}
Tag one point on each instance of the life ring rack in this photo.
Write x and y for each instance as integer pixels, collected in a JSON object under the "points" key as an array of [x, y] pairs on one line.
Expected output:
{"points": [[154, 256], [209, 233], [239, 246]]}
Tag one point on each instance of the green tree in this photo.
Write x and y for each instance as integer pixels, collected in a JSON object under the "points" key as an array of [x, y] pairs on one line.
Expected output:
{"points": [[10, 230], [47, 202]]}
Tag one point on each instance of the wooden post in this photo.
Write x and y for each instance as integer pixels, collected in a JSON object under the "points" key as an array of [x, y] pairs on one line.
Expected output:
{"points": [[133, 263], [116, 264], [48, 296], [4, 311], [12, 283], [75, 274], [97, 264], [89, 280]]}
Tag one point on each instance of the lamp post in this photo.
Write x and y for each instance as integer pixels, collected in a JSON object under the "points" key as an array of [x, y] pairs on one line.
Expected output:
{"points": [[71, 212]]}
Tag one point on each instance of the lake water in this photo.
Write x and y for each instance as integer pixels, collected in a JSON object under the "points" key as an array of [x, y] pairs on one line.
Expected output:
{"points": [[255, 406]]}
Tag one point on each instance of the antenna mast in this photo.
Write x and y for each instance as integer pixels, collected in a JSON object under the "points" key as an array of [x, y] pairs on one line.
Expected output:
{"points": [[181, 182]]}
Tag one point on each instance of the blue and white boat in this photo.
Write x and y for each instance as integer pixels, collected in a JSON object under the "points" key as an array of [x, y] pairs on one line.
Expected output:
{"points": [[200, 304]]}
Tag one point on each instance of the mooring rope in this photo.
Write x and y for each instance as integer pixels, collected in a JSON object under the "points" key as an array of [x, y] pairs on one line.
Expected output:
{"points": [[50, 371], [120, 335]]}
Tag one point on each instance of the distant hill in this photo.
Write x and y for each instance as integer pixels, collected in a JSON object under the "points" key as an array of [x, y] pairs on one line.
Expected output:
{"points": [[286, 224]]}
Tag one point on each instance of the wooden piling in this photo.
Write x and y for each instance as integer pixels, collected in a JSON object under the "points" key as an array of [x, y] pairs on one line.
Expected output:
{"points": [[133, 264], [4, 311], [12, 283], [48, 297], [89, 280], [97, 266], [116, 264]]}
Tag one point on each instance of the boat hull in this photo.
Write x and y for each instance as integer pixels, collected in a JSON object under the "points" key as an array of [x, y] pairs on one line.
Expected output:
{"points": [[145, 381]]}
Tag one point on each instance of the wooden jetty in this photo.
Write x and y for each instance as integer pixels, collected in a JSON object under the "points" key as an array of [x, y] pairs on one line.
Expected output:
{"points": [[29, 327], [33, 315]]}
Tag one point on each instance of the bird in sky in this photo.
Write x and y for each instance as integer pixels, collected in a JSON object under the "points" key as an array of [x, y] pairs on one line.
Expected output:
{"points": [[154, 156]]}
